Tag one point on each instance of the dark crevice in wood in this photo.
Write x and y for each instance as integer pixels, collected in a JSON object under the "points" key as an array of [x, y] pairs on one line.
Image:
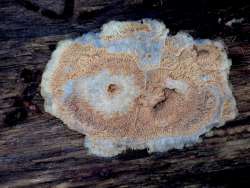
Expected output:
{"points": [[23, 104], [50, 14], [88, 15], [67, 12], [237, 122], [69, 7], [31, 76], [133, 154], [30, 91], [16, 116], [52, 47], [29, 5], [41, 152]]}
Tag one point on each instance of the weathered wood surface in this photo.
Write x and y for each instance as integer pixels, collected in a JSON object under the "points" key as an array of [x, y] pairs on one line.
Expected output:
{"points": [[36, 150]]}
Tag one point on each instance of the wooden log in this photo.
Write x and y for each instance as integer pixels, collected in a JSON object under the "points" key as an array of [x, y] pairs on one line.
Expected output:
{"points": [[37, 150]]}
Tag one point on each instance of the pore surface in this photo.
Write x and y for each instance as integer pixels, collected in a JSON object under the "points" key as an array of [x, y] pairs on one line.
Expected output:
{"points": [[134, 86]]}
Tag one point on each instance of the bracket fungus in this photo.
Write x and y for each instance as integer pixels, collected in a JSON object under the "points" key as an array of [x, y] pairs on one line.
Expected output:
{"points": [[135, 86]]}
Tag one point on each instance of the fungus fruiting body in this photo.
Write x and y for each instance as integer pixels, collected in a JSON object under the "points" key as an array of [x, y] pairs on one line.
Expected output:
{"points": [[134, 86]]}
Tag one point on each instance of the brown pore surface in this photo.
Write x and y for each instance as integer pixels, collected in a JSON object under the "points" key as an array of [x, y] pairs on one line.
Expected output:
{"points": [[38, 151], [157, 111]]}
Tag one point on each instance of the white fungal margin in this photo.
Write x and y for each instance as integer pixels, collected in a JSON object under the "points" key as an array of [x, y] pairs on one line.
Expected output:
{"points": [[110, 148], [47, 76]]}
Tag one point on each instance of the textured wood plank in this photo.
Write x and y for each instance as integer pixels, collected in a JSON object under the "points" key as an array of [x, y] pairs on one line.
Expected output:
{"points": [[37, 150]]}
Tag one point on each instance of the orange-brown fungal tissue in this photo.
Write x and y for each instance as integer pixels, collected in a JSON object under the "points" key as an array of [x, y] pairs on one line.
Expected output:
{"points": [[134, 86]]}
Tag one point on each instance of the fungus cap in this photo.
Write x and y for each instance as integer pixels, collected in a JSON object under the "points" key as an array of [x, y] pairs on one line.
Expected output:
{"points": [[134, 86]]}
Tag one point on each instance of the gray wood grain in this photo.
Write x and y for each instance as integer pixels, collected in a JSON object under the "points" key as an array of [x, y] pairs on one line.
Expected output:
{"points": [[37, 150]]}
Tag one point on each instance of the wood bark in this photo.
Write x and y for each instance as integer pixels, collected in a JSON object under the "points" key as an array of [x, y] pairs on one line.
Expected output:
{"points": [[36, 150]]}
